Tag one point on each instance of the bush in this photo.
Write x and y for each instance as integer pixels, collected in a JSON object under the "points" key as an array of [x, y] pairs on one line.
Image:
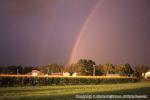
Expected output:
{"points": [[38, 80]]}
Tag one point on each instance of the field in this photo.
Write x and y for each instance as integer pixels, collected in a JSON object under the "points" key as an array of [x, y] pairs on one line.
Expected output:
{"points": [[70, 92]]}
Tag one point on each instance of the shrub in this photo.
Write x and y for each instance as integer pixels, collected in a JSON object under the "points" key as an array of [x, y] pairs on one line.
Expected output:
{"points": [[38, 80]]}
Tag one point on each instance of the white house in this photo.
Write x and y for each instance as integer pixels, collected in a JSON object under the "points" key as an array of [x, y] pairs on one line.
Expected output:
{"points": [[74, 74], [35, 72], [66, 74], [147, 74]]}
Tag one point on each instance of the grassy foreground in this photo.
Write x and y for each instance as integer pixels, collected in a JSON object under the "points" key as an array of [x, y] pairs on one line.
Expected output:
{"points": [[69, 92]]}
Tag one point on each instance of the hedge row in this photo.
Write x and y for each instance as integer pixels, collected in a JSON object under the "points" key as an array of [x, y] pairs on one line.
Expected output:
{"points": [[15, 81]]}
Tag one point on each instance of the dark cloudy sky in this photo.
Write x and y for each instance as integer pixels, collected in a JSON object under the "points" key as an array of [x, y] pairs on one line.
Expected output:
{"points": [[39, 32]]}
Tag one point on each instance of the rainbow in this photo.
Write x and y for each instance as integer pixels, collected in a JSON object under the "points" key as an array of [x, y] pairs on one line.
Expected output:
{"points": [[73, 54]]}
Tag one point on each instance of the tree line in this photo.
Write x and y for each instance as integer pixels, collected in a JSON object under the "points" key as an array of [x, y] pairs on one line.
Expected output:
{"points": [[82, 67]]}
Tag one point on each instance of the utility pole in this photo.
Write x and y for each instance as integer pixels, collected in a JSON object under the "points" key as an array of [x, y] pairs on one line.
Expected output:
{"points": [[22, 70], [94, 70], [17, 71], [47, 70]]}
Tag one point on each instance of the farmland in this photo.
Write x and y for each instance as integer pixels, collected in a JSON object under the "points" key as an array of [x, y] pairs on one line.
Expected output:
{"points": [[69, 92]]}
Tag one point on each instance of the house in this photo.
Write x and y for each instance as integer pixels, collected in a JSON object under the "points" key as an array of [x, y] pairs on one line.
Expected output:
{"points": [[74, 74], [147, 75], [35, 72], [66, 74]]}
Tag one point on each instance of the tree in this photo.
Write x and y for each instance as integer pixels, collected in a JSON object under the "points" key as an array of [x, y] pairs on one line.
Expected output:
{"points": [[98, 70], [16, 69], [127, 69], [52, 68], [28, 69], [119, 69], [74, 68], [108, 68], [139, 69], [1, 70], [86, 66]]}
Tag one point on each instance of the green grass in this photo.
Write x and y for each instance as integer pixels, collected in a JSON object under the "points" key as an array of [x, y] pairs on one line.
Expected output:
{"points": [[68, 92]]}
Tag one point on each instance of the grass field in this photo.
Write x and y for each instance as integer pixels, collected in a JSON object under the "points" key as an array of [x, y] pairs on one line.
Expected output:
{"points": [[69, 92]]}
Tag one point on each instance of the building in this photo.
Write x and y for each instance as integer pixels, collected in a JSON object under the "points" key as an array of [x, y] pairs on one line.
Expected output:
{"points": [[147, 75], [35, 72], [66, 74]]}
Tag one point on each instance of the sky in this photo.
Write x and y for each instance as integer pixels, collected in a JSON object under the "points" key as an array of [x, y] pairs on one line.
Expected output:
{"points": [[40, 32]]}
